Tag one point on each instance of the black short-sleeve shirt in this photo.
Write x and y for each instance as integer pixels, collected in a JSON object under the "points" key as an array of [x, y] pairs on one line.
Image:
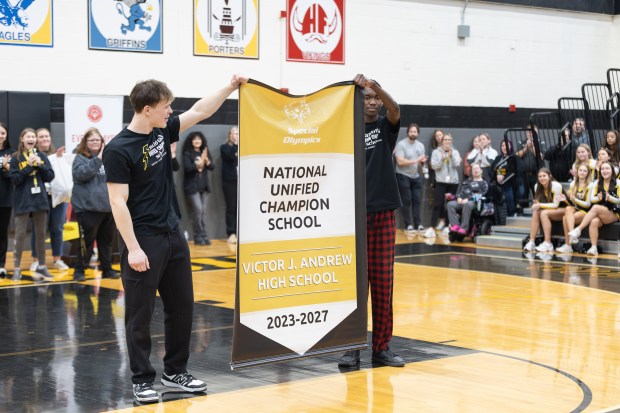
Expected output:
{"points": [[143, 161], [381, 185]]}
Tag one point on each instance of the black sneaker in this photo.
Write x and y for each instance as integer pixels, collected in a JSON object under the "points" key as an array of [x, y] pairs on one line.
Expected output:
{"points": [[145, 393], [184, 381], [78, 275], [387, 358], [349, 359], [111, 274]]}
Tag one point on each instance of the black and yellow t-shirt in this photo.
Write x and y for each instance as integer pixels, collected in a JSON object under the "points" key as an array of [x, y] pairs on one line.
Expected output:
{"points": [[143, 161]]}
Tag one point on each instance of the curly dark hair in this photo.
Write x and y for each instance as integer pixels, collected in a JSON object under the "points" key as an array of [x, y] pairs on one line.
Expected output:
{"points": [[187, 144]]}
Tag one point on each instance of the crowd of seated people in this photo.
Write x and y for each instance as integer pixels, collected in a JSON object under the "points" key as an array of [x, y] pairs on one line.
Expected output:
{"points": [[592, 200]]}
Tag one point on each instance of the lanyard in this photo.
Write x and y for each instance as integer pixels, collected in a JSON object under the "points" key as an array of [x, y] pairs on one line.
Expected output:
{"points": [[33, 174]]}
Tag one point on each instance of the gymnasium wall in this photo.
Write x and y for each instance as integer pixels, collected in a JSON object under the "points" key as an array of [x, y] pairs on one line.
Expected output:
{"points": [[515, 55]]}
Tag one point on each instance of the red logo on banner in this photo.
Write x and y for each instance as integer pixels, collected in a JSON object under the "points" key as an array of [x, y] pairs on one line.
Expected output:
{"points": [[94, 113], [315, 31]]}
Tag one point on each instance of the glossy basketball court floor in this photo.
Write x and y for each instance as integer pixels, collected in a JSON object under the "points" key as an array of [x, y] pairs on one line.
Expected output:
{"points": [[481, 330]]}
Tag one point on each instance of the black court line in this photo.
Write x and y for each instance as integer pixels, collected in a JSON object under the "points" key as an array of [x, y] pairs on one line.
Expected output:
{"points": [[586, 391]]}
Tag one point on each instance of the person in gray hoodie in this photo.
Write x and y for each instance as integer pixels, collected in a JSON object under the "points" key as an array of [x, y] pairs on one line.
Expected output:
{"points": [[444, 160], [91, 204]]}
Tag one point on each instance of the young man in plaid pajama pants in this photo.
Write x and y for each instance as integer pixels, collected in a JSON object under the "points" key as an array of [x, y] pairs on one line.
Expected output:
{"points": [[382, 198]]}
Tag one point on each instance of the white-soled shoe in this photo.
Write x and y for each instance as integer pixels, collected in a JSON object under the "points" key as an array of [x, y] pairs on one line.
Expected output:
{"points": [[60, 265], [545, 247], [573, 236], [592, 251], [441, 225], [565, 249], [530, 246], [544, 256], [34, 265], [430, 233]]}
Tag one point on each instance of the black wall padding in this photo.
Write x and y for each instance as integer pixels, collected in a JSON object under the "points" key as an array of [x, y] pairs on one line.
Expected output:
{"points": [[27, 110]]}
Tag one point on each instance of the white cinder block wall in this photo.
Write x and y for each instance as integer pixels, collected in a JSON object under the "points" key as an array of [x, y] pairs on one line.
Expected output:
{"points": [[525, 56]]}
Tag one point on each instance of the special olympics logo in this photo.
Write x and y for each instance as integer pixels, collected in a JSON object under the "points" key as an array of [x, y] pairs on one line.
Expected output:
{"points": [[94, 113], [317, 24], [298, 111]]}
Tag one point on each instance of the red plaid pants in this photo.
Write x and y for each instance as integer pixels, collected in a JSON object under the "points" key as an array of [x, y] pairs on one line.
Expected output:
{"points": [[381, 237]]}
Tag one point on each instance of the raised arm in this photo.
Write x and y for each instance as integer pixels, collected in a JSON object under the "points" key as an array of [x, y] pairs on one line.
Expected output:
{"points": [[207, 106], [393, 110]]}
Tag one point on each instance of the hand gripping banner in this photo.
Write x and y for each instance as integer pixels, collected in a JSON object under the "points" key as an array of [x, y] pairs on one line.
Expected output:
{"points": [[301, 257]]}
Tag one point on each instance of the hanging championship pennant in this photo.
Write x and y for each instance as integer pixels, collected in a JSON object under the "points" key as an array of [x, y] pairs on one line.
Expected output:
{"points": [[301, 258]]}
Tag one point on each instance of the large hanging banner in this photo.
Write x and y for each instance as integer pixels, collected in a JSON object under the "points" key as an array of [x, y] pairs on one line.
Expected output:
{"points": [[27, 23], [226, 28], [90, 111], [126, 25], [301, 258], [315, 31]]}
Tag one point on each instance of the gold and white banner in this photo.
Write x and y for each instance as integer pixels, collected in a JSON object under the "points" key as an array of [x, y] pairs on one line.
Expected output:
{"points": [[301, 223]]}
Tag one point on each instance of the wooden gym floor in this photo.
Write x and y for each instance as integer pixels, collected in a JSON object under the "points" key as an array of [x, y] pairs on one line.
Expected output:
{"points": [[481, 330]]}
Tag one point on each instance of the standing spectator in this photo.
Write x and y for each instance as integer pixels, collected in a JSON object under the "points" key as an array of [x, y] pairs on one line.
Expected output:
{"points": [[138, 169], [469, 193], [436, 139], [58, 213], [196, 162], [483, 155], [475, 144], [30, 170], [434, 143], [409, 155], [173, 154], [444, 160], [229, 152], [6, 195], [611, 143], [528, 167], [580, 134], [91, 204], [505, 173], [382, 199]]}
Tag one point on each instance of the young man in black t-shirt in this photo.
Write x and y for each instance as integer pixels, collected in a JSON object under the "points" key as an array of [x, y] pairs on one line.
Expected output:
{"points": [[154, 254], [382, 198]]}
